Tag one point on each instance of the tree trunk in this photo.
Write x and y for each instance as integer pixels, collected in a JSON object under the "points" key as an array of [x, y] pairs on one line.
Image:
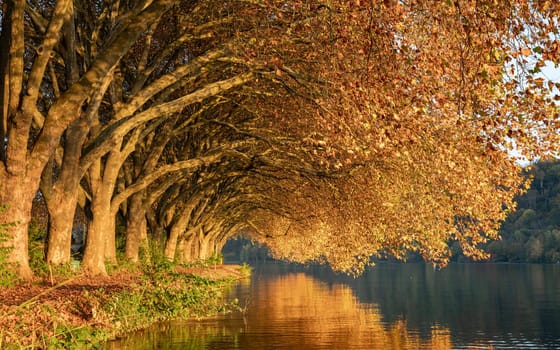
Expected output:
{"points": [[205, 243], [94, 255], [204, 250], [61, 220], [180, 251], [110, 233], [186, 249], [177, 230], [17, 193], [100, 243], [101, 230], [135, 224], [171, 244], [145, 250], [156, 229], [62, 197], [219, 245]]}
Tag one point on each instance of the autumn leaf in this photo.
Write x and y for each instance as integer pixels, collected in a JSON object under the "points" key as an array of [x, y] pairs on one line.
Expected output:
{"points": [[526, 51]]}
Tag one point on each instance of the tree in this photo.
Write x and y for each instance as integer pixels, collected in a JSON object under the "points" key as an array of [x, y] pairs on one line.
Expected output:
{"points": [[282, 110], [33, 118], [437, 121]]}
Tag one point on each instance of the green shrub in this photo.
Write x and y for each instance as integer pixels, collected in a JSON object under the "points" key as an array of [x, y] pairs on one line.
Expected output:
{"points": [[164, 295]]}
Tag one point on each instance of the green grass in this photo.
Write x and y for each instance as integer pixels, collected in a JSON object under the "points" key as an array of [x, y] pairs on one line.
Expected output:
{"points": [[162, 294]]}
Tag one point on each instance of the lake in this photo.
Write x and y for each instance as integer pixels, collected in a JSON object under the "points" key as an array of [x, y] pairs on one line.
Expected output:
{"points": [[392, 306]]}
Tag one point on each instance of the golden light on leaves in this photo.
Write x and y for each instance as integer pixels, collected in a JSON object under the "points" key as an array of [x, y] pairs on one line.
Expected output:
{"points": [[341, 129], [427, 108]]}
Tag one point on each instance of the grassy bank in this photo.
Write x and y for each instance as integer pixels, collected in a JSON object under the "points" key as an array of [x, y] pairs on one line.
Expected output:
{"points": [[76, 312]]}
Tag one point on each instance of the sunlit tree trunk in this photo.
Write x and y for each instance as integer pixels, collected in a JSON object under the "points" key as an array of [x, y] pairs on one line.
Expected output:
{"points": [[180, 252], [145, 249], [177, 229], [100, 245], [156, 229], [210, 241], [60, 230], [205, 245], [110, 233], [135, 227], [94, 253], [104, 211], [101, 204], [187, 249], [17, 193], [173, 239], [62, 196]]}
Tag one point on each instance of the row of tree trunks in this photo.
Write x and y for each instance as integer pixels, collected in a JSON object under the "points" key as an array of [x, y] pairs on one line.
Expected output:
{"points": [[180, 226], [22, 164], [195, 243]]}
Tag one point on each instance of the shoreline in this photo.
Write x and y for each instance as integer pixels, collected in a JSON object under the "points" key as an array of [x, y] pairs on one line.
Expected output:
{"points": [[82, 311]]}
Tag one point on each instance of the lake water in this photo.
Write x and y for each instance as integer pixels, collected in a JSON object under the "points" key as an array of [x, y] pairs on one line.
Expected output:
{"points": [[392, 306]]}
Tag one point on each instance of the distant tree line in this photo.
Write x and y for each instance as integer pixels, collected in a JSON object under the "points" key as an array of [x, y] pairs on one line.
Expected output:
{"points": [[532, 232], [241, 249]]}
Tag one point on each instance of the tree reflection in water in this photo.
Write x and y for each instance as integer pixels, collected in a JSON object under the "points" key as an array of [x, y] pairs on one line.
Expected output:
{"points": [[331, 317], [292, 311]]}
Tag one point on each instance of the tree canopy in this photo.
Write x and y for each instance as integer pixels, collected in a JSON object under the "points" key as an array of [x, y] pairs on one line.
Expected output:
{"points": [[331, 131]]}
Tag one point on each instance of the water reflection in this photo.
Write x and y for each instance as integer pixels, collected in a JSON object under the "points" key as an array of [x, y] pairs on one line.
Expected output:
{"points": [[309, 314], [508, 304], [390, 307], [293, 311]]}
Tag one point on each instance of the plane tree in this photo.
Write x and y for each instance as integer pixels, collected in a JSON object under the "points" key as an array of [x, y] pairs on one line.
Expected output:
{"points": [[164, 71], [29, 145], [417, 102], [123, 92]]}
